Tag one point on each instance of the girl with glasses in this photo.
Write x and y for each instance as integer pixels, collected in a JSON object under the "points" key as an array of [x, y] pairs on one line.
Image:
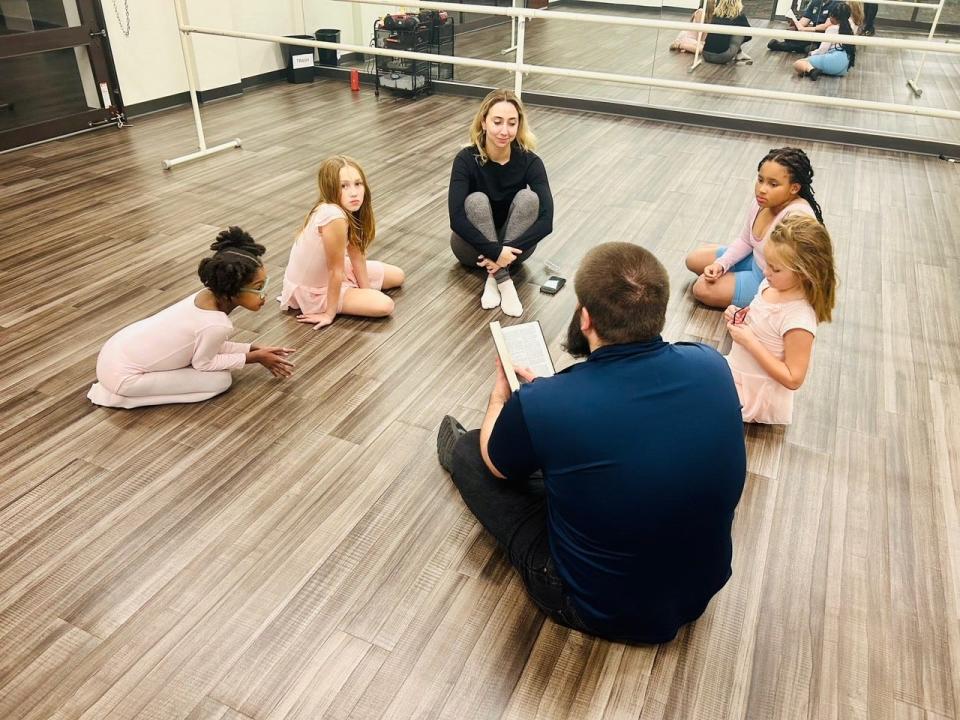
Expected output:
{"points": [[181, 354]]}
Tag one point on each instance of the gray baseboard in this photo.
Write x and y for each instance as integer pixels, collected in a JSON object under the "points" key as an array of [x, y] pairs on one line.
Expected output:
{"points": [[183, 98]]}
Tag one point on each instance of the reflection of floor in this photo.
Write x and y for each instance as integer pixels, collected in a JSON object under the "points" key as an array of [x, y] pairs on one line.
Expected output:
{"points": [[292, 549], [879, 75]]}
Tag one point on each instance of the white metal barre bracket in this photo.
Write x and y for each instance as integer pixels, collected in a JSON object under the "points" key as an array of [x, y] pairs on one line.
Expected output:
{"points": [[513, 32], [186, 44], [914, 84]]}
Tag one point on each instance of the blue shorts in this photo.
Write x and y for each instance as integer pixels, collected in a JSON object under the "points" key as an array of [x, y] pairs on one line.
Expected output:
{"points": [[748, 276], [834, 62]]}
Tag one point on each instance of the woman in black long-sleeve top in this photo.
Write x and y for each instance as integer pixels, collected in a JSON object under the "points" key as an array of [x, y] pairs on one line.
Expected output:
{"points": [[499, 200], [721, 49]]}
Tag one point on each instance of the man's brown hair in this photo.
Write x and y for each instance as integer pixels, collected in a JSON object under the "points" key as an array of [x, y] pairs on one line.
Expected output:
{"points": [[625, 289]]}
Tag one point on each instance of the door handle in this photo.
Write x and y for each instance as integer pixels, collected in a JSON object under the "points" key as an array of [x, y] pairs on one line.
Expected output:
{"points": [[101, 33]]}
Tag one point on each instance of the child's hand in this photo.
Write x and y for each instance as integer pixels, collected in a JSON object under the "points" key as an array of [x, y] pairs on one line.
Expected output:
{"points": [[741, 334], [272, 348], [713, 271], [736, 315], [274, 360], [320, 320]]}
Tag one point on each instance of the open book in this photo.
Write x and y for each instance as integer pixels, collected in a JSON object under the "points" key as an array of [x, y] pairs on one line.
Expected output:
{"points": [[522, 345]]}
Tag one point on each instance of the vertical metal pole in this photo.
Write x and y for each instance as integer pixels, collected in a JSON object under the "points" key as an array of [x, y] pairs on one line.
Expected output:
{"points": [[696, 50], [186, 43], [914, 84], [521, 36], [513, 32]]}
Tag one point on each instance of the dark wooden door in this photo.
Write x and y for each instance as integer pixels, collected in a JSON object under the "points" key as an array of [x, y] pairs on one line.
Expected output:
{"points": [[54, 70]]}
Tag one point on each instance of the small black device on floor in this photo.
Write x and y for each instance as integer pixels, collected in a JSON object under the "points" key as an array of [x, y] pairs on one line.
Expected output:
{"points": [[552, 285]]}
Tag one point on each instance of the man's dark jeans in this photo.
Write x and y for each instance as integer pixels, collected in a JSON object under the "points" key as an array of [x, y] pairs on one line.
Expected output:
{"points": [[515, 513]]}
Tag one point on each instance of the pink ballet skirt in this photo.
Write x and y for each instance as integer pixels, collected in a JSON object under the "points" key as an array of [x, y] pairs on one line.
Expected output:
{"points": [[762, 398], [305, 279]]}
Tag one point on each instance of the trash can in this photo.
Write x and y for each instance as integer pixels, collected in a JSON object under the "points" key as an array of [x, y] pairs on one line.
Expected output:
{"points": [[299, 60], [325, 56]]}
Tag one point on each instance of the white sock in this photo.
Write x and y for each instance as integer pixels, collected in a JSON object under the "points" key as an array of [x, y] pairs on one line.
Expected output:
{"points": [[744, 58], [491, 294], [509, 300]]}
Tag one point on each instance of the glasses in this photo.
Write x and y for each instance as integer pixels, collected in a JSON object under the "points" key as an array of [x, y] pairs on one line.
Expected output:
{"points": [[262, 292], [740, 315]]}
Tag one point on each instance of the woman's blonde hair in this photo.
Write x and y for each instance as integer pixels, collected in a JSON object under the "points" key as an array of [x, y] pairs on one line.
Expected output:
{"points": [[856, 12], [361, 227], [728, 8], [802, 245], [525, 137]]}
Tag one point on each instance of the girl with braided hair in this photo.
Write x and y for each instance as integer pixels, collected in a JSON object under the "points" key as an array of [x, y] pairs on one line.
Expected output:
{"points": [[181, 354], [732, 273]]}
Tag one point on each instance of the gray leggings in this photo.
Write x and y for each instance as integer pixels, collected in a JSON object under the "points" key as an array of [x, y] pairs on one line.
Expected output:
{"points": [[522, 214], [727, 55]]}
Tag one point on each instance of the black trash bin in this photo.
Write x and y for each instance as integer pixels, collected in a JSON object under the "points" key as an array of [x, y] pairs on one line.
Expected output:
{"points": [[301, 69], [325, 56]]}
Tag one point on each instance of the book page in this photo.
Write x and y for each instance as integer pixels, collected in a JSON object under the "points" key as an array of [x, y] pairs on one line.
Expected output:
{"points": [[528, 348]]}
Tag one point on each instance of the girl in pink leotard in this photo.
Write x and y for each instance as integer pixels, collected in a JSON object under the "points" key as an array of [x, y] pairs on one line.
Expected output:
{"points": [[181, 354]]}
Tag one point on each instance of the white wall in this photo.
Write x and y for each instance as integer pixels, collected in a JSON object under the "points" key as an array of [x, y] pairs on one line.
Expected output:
{"points": [[354, 20], [150, 62], [273, 17]]}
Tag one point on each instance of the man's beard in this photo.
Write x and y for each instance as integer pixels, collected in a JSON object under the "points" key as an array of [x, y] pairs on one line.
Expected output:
{"points": [[576, 344]]}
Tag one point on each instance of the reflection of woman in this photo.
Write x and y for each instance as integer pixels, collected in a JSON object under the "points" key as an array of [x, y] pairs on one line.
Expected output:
{"points": [[499, 199], [721, 49]]}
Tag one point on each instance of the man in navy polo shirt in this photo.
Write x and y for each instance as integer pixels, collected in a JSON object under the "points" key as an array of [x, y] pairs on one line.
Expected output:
{"points": [[814, 19], [612, 485]]}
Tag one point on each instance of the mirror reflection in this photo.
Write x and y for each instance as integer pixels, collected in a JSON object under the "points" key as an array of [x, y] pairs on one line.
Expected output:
{"points": [[829, 68]]}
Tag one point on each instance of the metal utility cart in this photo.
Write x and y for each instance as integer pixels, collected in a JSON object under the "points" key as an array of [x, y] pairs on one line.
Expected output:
{"points": [[426, 32]]}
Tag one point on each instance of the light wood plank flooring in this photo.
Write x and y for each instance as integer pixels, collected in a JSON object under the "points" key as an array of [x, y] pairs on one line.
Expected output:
{"points": [[880, 74], [293, 549]]}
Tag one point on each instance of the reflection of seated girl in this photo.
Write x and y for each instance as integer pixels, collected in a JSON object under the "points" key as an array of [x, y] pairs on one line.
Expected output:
{"points": [[688, 40], [721, 49], [831, 57]]}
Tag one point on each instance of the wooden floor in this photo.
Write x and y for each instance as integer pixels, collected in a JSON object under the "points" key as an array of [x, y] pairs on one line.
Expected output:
{"points": [[293, 549], [880, 74]]}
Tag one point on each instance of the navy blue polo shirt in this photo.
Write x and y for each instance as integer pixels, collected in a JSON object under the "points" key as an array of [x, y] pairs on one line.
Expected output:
{"points": [[818, 11], [643, 458]]}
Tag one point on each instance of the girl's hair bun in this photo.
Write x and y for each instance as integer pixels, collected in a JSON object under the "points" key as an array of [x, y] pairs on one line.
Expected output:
{"points": [[235, 238], [235, 261]]}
